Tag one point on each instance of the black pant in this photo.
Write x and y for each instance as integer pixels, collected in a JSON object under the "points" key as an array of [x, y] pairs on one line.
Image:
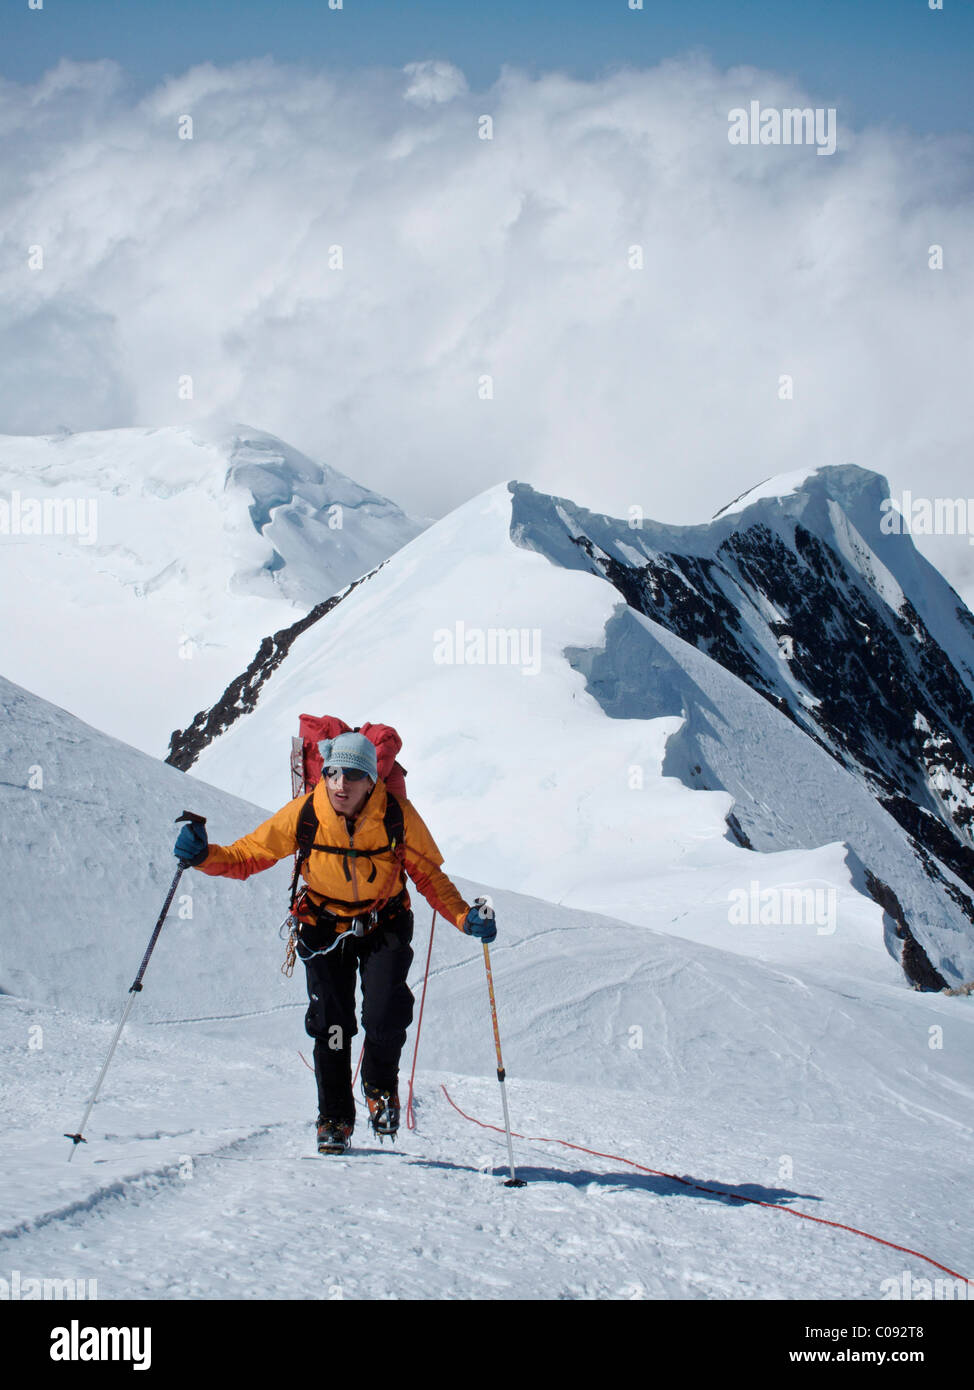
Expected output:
{"points": [[383, 958]]}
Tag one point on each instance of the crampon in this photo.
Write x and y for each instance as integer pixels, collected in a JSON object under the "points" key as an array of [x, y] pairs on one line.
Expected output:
{"points": [[383, 1112]]}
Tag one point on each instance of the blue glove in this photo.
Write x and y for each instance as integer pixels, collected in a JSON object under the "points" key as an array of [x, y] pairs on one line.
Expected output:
{"points": [[192, 846], [480, 921]]}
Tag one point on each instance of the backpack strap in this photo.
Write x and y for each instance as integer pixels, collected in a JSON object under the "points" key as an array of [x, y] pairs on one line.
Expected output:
{"points": [[306, 831], [393, 822], [395, 826]]}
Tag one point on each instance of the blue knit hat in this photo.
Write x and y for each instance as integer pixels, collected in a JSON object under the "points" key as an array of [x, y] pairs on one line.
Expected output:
{"points": [[350, 750]]}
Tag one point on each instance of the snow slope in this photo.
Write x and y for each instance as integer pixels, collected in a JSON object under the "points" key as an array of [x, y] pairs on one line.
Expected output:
{"points": [[805, 1089], [201, 541], [194, 1183], [87, 827], [817, 1087], [777, 487]]}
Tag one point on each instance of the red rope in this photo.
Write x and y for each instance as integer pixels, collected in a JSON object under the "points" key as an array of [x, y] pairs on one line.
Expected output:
{"points": [[410, 1116], [698, 1187]]}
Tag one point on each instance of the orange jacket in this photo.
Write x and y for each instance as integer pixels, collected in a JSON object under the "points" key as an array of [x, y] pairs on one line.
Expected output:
{"points": [[325, 873]]}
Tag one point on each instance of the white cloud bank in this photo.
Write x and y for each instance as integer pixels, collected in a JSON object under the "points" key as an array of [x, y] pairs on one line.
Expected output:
{"points": [[464, 257]]}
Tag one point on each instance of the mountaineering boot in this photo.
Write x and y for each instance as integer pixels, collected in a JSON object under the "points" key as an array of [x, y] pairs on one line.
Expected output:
{"points": [[383, 1111], [334, 1136]]}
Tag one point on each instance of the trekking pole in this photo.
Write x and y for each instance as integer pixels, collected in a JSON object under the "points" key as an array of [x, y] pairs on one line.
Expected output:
{"points": [[513, 1180], [134, 989]]}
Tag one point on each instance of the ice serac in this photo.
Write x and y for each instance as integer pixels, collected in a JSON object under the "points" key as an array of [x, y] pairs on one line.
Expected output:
{"points": [[325, 529], [843, 627], [199, 541]]}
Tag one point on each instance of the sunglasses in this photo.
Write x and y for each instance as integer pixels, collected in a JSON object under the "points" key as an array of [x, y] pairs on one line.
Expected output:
{"points": [[351, 774]]}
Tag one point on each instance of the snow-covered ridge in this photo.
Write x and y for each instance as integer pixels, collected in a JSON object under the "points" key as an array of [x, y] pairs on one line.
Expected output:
{"points": [[626, 756], [845, 629]]}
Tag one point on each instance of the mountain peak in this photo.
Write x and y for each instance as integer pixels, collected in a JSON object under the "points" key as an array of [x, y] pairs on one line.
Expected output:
{"points": [[199, 540]]}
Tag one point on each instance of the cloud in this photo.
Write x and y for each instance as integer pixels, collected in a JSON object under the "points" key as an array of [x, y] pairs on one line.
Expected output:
{"points": [[433, 81], [432, 301]]}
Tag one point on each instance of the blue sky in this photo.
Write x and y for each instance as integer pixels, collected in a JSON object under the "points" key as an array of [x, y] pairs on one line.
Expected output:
{"points": [[881, 60]]}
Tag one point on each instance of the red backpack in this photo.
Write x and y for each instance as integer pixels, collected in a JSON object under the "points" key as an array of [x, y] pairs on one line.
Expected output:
{"points": [[306, 766]]}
